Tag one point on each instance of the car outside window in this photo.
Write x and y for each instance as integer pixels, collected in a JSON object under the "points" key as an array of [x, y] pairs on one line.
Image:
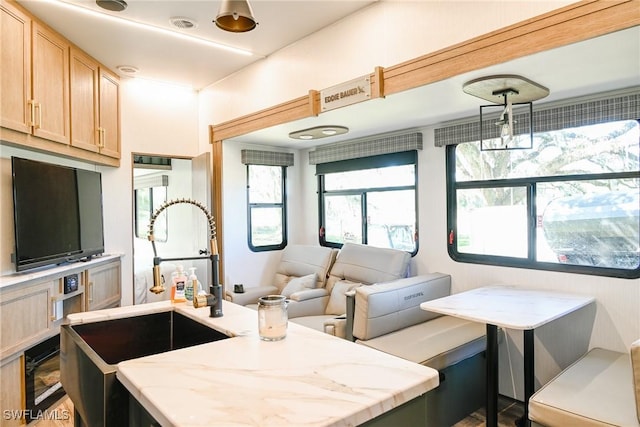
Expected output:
{"points": [[571, 203]]}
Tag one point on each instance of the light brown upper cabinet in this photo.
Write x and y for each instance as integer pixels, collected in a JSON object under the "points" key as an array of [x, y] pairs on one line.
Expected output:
{"points": [[50, 85], [15, 72], [35, 77], [95, 106], [55, 97]]}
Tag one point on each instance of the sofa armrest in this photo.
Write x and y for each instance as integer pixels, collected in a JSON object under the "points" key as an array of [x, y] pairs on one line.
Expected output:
{"points": [[309, 302], [306, 294], [250, 295], [387, 307]]}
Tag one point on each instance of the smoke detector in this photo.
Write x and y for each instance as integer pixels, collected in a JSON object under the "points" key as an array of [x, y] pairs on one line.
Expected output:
{"points": [[183, 23]]}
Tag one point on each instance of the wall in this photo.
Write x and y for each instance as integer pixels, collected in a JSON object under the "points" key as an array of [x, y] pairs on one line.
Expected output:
{"points": [[351, 48]]}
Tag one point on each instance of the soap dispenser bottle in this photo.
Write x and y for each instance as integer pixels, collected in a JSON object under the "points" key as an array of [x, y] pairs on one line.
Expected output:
{"points": [[179, 284], [193, 286]]}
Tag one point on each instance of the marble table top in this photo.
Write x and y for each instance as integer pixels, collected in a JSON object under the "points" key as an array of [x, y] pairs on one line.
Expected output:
{"points": [[308, 379], [509, 307]]}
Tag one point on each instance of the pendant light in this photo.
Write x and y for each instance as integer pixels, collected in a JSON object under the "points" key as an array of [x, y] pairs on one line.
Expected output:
{"points": [[506, 91], [235, 16]]}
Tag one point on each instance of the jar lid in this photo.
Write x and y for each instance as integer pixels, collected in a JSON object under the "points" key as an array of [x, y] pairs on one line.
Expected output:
{"points": [[272, 299]]}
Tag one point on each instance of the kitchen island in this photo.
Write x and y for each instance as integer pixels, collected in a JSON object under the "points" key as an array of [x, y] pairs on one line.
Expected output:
{"points": [[307, 379]]}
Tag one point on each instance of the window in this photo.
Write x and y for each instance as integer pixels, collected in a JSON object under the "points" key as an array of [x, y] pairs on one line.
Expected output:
{"points": [[370, 200], [569, 204], [147, 201], [266, 207]]}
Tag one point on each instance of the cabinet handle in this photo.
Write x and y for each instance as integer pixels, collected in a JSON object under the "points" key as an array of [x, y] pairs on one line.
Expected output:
{"points": [[32, 118], [38, 123], [54, 315], [90, 291], [101, 137]]}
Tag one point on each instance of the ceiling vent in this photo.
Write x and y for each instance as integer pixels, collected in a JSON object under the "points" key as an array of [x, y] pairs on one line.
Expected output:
{"points": [[183, 23]]}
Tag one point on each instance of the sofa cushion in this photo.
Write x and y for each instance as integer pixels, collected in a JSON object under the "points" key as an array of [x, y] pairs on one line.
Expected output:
{"points": [[596, 390], [388, 307], [338, 300], [296, 284], [437, 343], [302, 260], [368, 264]]}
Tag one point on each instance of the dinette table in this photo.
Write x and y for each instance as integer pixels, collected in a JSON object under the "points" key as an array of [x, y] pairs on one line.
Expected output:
{"points": [[509, 307]]}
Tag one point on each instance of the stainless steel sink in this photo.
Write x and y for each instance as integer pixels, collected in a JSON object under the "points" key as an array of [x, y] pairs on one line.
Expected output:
{"points": [[89, 353]]}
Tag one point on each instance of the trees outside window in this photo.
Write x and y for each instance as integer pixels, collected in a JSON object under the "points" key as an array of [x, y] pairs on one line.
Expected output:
{"points": [[371, 202], [266, 207], [571, 203]]}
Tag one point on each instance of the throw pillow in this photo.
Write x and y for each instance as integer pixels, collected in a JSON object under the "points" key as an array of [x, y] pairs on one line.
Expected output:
{"points": [[299, 283], [338, 300]]}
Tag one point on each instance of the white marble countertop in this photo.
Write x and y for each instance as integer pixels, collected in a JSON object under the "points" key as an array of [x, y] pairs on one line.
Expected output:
{"points": [[509, 307], [307, 379]]}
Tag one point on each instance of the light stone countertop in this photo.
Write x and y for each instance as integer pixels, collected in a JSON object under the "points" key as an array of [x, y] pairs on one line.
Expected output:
{"points": [[308, 379]]}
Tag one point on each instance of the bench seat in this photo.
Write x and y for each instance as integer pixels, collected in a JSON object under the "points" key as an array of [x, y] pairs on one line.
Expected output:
{"points": [[596, 390], [437, 343]]}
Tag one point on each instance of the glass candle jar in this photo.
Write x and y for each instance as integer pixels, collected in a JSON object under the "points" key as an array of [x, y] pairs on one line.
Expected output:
{"points": [[272, 317]]}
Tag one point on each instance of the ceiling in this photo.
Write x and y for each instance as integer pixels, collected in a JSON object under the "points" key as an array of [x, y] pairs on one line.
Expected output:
{"points": [[605, 63], [111, 38]]}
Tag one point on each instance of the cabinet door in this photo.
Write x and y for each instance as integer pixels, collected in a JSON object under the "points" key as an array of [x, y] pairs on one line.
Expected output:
{"points": [[103, 286], [83, 87], [15, 72], [25, 316], [109, 114], [11, 388], [50, 85]]}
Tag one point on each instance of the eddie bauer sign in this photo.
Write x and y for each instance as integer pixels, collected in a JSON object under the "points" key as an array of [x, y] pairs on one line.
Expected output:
{"points": [[351, 92]]}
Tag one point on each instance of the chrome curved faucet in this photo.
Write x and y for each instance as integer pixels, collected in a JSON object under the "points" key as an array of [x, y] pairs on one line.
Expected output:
{"points": [[214, 299]]}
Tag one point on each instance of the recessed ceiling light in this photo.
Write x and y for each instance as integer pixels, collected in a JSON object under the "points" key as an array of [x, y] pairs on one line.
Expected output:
{"points": [[112, 5], [127, 69], [318, 132]]}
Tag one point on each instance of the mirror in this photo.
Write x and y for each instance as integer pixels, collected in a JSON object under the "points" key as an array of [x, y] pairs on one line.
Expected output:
{"points": [[180, 231]]}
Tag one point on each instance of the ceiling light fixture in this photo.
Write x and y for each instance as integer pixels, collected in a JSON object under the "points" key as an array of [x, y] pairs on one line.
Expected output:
{"points": [[318, 132], [112, 5], [235, 16], [506, 91], [127, 69], [121, 20]]}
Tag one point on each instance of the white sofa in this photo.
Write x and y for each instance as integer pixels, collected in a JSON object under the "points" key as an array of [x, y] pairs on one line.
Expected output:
{"points": [[355, 265], [322, 299], [602, 388], [296, 261]]}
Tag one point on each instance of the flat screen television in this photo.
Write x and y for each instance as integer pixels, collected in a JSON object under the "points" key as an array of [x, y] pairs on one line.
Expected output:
{"points": [[57, 212]]}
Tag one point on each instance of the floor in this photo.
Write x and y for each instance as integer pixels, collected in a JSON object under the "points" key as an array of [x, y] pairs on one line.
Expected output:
{"points": [[510, 411]]}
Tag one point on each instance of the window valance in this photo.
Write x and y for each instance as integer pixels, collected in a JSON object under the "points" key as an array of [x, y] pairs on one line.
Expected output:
{"points": [[347, 150], [621, 105]]}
